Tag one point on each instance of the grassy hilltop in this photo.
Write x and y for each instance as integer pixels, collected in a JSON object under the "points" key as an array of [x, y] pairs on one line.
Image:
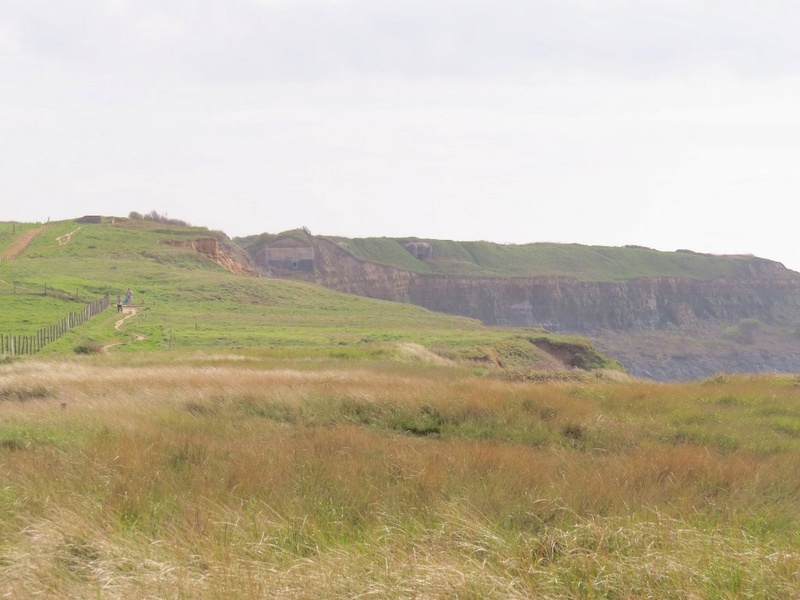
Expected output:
{"points": [[187, 301], [587, 263], [243, 437]]}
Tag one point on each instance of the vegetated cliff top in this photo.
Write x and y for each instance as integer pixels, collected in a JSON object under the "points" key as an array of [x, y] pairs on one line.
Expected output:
{"points": [[187, 291], [187, 298], [544, 259]]}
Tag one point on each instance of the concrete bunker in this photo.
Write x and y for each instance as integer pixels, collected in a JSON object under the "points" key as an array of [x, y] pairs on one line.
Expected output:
{"points": [[419, 250], [288, 254]]}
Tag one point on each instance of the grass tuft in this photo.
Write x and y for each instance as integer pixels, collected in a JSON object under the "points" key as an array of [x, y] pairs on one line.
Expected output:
{"points": [[23, 393]]}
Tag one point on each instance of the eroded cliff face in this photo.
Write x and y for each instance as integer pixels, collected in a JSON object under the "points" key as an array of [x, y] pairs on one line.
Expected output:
{"points": [[694, 314], [770, 294], [227, 258], [337, 269], [587, 307]]}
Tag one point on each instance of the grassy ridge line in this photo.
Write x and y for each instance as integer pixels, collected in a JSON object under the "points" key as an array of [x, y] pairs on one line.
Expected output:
{"points": [[588, 263], [193, 303], [187, 291]]}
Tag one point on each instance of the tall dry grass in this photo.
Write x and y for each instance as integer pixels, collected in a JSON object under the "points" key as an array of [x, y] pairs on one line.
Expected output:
{"points": [[229, 481]]}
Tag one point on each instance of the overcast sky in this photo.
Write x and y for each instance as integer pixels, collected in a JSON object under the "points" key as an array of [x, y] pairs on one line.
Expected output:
{"points": [[662, 123]]}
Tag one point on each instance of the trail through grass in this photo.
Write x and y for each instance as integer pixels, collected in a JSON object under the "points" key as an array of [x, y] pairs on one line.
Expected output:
{"points": [[20, 242]]}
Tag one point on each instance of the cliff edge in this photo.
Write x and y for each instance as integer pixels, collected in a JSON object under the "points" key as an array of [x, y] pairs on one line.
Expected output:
{"points": [[669, 316]]}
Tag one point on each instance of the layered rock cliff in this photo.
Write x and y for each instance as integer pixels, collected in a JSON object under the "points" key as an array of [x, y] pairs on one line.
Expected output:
{"points": [[764, 290], [222, 252], [618, 315]]}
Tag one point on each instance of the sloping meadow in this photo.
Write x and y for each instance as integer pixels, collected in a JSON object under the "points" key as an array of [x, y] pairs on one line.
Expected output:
{"points": [[223, 476]]}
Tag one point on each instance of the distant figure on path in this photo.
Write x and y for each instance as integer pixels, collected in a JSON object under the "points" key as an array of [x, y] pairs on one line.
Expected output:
{"points": [[119, 303], [129, 297]]}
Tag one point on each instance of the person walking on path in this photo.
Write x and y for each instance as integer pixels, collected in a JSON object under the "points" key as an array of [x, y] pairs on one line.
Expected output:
{"points": [[119, 303], [129, 297]]}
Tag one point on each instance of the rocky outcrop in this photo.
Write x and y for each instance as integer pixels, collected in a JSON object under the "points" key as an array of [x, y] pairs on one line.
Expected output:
{"points": [[691, 316], [228, 258], [337, 269], [587, 307], [764, 290]]}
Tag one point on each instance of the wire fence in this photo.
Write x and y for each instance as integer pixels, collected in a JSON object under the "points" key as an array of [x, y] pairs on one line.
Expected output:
{"points": [[29, 288], [29, 238], [17, 345]]}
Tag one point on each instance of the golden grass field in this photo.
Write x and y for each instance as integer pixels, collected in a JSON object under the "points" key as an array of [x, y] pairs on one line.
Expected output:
{"points": [[227, 476]]}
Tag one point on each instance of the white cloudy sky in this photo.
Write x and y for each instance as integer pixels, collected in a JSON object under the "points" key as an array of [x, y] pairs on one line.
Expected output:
{"points": [[663, 123]]}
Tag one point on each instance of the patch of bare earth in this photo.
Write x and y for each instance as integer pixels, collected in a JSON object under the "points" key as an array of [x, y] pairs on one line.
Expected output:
{"points": [[65, 239], [128, 313], [417, 352], [20, 243]]}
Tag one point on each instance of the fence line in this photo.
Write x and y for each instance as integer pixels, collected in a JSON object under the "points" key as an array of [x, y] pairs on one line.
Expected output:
{"points": [[17, 345], [25, 246], [13, 288]]}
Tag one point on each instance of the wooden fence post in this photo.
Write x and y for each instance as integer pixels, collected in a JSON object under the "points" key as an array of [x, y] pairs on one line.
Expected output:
{"points": [[16, 345]]}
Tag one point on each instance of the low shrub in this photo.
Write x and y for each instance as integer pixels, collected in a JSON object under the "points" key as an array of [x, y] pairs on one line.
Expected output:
{"points": [[22, 394], [88, 348]]}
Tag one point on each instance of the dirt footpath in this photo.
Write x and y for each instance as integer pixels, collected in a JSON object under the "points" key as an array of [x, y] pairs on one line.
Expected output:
{"points": [[64, 239], [129, 313], [20, 243]]}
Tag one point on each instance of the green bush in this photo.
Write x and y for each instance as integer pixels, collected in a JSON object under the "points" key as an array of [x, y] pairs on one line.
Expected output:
{"points": [[744, 332], [88, 348]]}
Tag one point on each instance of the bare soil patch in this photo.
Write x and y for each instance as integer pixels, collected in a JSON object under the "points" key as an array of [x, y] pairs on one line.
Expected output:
{"points": [[65, 239], [20, 243], [128, 313]]}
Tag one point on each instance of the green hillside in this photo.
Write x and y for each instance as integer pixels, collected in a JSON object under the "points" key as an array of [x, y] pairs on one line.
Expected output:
{"points": [[242, 437], [186, 301], [589, 263]]}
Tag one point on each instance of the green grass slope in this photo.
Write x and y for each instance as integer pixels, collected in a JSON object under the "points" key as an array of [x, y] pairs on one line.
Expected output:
{"points": [[187, 301], [589, 263]]}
